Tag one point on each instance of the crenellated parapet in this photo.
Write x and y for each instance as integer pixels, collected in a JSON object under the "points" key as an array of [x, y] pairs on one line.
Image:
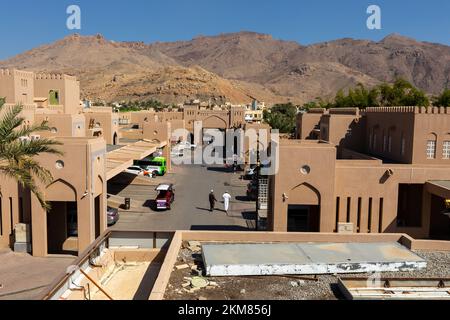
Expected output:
{"points": [[53, 76], [18, 73], [346, 111], [6, 72], [410, 109]]}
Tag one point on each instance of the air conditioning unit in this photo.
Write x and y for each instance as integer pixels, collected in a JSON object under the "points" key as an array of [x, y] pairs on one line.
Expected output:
{"points": [[35, 137], [24, 139], [344, 227]]}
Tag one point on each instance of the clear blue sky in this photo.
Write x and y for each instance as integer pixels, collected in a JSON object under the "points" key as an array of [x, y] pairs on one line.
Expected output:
{"points": [[26, 24]]}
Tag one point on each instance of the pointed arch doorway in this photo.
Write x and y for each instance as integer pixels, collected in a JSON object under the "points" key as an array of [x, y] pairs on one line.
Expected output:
{"points": [[303, 209]]}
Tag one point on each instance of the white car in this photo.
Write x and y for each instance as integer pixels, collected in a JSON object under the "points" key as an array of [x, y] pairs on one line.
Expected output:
{"points": [[135, 170]]}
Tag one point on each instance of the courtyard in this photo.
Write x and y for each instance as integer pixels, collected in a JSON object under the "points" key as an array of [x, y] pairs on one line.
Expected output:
{"points": [[190, 211]]}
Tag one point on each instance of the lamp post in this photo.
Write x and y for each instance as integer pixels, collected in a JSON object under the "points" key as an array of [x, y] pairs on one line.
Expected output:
{"points": [[258, 173]]}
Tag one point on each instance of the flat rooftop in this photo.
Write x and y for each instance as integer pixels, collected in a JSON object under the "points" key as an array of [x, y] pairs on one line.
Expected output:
{"points": [[170, 265], [278, 287]]}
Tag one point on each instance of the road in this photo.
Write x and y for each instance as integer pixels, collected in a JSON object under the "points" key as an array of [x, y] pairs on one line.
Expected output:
{"points": [[190, 210]]}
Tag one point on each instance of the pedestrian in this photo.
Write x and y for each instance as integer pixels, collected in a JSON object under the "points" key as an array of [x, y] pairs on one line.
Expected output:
{"points": [[226, 201], [212, 200]]}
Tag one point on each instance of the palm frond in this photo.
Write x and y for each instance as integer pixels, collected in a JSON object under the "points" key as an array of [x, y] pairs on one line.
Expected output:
{"points": [[41, 173], [10, 121], [27, 131], [25, 179], [16, 156], [17, 149]]}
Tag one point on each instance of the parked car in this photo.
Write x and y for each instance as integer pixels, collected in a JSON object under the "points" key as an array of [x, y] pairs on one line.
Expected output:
{"points": [[165, 196], [138, 171], [112, 215], [135, 170]]}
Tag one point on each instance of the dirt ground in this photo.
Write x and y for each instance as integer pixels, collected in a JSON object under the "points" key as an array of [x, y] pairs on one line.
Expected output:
{"points": [[311, 287]]}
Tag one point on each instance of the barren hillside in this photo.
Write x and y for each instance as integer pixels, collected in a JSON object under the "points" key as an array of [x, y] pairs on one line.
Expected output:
{"points": [[236, 67]]}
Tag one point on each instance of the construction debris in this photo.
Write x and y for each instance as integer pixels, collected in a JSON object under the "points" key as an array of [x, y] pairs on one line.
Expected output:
{"points": [[194, 243], [199, 282], [182, 266], [194, 246], [395, 288]]}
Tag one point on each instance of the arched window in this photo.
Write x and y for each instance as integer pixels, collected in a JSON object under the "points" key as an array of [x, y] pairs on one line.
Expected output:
{"points": [[431, 146], [446, 147]]}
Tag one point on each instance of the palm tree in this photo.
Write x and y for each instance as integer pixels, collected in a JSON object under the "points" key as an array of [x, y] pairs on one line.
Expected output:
{"points": [[17, 155]]}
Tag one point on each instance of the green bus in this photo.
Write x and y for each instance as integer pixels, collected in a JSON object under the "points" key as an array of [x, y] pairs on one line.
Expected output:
{"points": [[155, 165]]}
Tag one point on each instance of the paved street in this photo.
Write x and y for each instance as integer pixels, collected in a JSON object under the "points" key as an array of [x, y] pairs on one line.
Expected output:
{"points": [[25, 277], [190, 210]]}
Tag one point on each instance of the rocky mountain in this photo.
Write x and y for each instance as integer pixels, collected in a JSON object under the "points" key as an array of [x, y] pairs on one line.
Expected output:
{"points": [[236, 67]]}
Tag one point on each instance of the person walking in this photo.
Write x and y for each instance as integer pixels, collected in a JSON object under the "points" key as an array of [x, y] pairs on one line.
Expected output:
{"points": [[226, 201], [212, 201]]}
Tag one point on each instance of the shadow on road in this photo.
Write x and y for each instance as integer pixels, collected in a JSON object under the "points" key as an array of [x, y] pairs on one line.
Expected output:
{"points": [[120, 182], [243, 198], [220, 169], [207, 209], [249, 215], [150, 204], [219, 228]]}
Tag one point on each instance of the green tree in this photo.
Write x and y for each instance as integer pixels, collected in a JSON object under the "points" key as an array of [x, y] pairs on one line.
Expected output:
{"points": [[402, 93], [143, 105], [310, 105], [443, 100], [281, 117], [359, 97], [17, 156]]}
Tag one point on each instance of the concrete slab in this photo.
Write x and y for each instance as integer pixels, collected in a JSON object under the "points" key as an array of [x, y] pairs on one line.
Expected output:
{"points": [[308, 258]]}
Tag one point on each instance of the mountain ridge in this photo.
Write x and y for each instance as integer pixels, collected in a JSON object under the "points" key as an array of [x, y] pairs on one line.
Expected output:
{"points": [[236, 67]]}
